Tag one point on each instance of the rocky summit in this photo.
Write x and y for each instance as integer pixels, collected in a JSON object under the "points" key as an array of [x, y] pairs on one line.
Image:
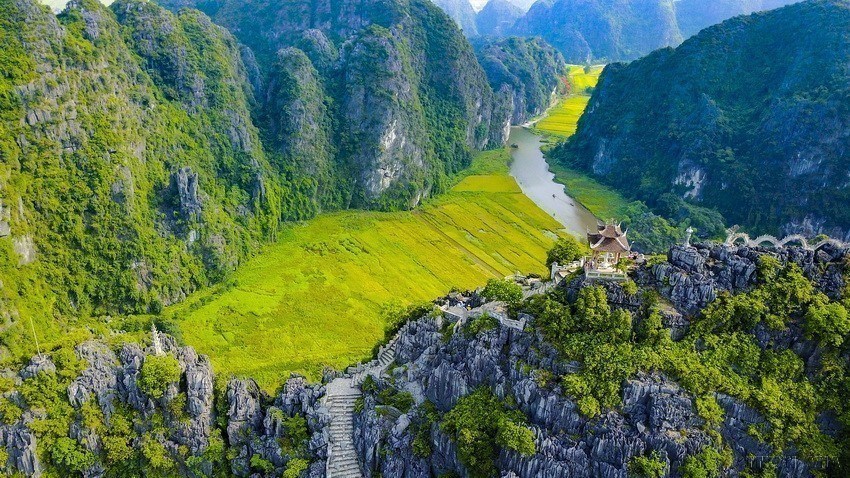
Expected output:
{"points": [[656, 415], [476, 393]]}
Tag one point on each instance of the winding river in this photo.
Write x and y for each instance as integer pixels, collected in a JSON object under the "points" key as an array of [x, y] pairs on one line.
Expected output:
{"points": [[530, 170]]}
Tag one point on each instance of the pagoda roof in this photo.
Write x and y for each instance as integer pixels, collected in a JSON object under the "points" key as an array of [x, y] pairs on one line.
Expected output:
{"points": [[609, 238]]}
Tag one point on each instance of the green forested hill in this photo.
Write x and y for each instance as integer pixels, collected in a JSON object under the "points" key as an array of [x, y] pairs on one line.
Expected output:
{"points": [[404, 99], [525, 74], [750, 117], [131, 171], [145, 153]]}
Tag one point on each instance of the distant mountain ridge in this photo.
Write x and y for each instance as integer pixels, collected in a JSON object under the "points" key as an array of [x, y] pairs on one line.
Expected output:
{"points": [[738, 118], [589, 31]]}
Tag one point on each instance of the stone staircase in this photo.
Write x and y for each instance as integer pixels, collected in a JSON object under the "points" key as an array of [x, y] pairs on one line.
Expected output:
{"points": [[340, 397]]}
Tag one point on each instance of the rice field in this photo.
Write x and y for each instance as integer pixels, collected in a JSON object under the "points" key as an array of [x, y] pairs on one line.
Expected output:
{"points": [[562, 119], [317, 296]]}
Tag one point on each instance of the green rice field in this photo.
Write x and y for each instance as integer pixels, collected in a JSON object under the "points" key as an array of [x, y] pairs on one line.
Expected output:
{"points": [[317, 296], [562, 119]]}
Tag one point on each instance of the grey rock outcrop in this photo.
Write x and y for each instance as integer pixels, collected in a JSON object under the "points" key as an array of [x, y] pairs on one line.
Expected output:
{"points": [[252, 424], [656, 414], [185, 183], [693, 276]]}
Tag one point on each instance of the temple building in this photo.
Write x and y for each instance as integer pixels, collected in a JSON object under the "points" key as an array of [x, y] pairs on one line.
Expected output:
{"points": [[608, 244]]}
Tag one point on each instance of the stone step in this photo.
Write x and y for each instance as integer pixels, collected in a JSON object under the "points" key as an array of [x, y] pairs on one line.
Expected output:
{"points": [[351, 467]]}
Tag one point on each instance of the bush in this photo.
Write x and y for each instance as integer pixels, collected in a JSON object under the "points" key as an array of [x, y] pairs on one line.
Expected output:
{"points": [[828, 322], [706, 464], [652, 466], [566, 250], [480, 424], [503, 290], [295, 468], [70, 456], [479, 324], [261, 464], [158, 372]]}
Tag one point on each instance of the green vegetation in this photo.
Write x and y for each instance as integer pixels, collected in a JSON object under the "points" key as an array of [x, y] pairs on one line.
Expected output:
{"points": [[482, 323], [562, 119], [529, 69], [651, 134], [158, 372], [505, 290], [321, 294], [481, 425], [719, 355], [566, 250], [651, 466]]}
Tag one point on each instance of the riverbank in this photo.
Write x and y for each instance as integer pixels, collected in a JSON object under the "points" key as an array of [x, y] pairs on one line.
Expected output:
{"points": [[532, 173], [321, 294]]}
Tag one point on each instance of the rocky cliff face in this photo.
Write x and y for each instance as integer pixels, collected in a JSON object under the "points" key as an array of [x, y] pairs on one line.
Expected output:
{"points": [[497, 18], [462, 13], [193, 427], [524, 73], [656, 416], [605, 30], [394, 87], [733, 134], [602, 30], [132, 172]]}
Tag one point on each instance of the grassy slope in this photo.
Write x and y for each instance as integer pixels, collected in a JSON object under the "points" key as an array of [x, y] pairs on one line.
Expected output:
{"points": [[316, 297]]}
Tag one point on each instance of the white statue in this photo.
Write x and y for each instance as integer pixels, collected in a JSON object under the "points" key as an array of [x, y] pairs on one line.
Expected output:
{"points": [[157, 344], [688, 233]]}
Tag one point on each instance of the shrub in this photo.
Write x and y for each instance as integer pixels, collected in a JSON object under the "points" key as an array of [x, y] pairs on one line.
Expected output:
{"points": [[70, 456], [295, 467], [261, 464], [480, 424], [566, 250], [828, 322], [480, 324], [158, 372], [652, 466], [504, 290], [512, 436], [706, 464]]}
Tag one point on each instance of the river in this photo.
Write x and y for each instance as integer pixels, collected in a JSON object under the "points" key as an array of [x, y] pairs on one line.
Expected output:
{"points": [[530, 170]]}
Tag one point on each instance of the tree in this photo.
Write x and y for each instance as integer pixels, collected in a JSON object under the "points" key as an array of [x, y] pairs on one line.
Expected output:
{"points": [[828, 322], [652, 466], [481, 424], [158, 372], [503, 290], [651, 330], [592, 310], [566, 250]]}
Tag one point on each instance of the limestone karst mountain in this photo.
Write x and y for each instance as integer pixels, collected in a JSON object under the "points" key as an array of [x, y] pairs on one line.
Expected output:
{"points": [[735, 118], [614, 30], [462, 12], [147, 152], [497, 18]]}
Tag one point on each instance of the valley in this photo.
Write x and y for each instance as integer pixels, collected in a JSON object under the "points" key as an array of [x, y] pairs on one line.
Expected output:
{"points": [[318, 296], [562, 119]]}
